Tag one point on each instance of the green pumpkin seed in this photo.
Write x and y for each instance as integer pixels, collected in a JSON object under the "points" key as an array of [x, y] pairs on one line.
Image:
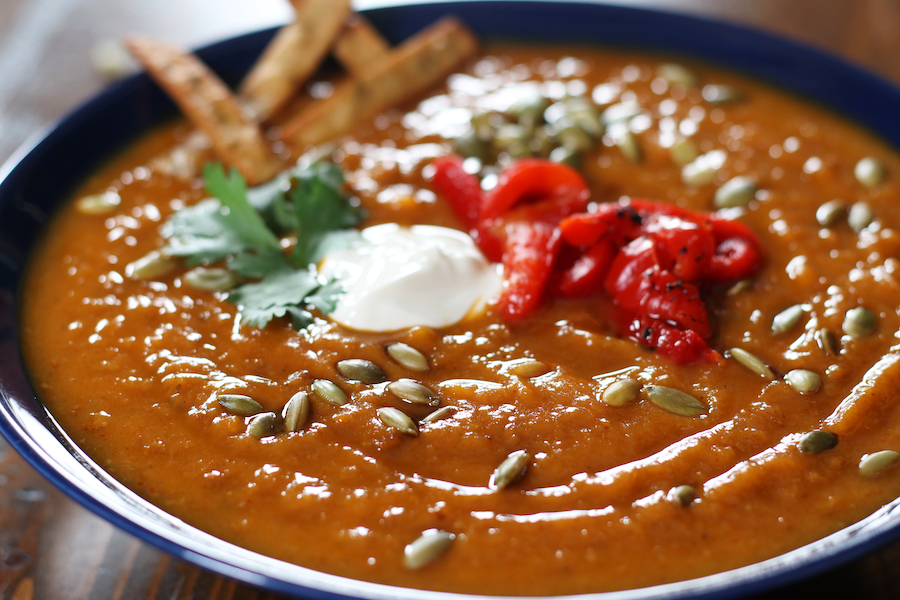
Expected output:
{"points": [[531, 104], [364, 371], [529, 368], [98, 204], [860, 216], [721, 94], [329, 391], [816, 442], [210, 279], [831, 212], [675, 401], [413, 391], [575, 139], [407, 356], [439, 414], [630, 148], [565, 156], [296, 412], [238, 404], [621, 392], [827, 341], [430, 545], [509, 135], [869, 171], [872, 464], [752, 362], [682, 495], [675, 74], [618, 113], [803, 380], [787, 319], [399, 420], [510, 470], [740, 287], [684, 151], [736, 192], [702, 170], [263, 425], [859, 322], [151, 266], [471, 146]]}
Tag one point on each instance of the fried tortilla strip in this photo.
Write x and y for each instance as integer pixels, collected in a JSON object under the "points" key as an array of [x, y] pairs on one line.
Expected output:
{"points": [[412, 68], [293, 55], [211, 107], [359, 46]]}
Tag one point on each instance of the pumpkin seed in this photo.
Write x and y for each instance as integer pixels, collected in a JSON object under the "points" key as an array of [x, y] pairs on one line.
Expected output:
{"points": [[471, 146], [684, 151], [787, 319], [98, 204], [439, 414], [210, 279], [816, 442], [529, 368], [150, 266], [803, 380], [703, 169], [565, 156], [737, 191], [329, 391], [397, 419], [618, 113], [413, 391], [238, 404], [675, 401], [859, 322], [860, 216], [575, 138], [675, 74], [872, 464], [510, 470], [407, 356], [296, 412], [831, 212], [869, 171], [740, 287], [630, 148], [827, 341], [721, 94], [752, 362], [683, 495], [621, 392], [364, 371], [264, 425], [431, 544]]}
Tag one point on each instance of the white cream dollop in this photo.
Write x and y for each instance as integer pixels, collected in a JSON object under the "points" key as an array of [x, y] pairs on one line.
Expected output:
{"points": [[397, 277]]}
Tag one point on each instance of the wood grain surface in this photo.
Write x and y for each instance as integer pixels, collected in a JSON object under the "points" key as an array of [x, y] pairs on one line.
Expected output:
{"points": [[51, 548]]}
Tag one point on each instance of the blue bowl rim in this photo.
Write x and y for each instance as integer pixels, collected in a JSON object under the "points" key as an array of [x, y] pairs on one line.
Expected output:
{"points": [[805, 71]]}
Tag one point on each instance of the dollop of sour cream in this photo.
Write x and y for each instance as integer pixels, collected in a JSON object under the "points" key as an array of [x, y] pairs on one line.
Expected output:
{"points": [[397, 277]]}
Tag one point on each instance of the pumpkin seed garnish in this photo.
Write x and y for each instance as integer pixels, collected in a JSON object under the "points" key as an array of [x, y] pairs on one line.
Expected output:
{"points": [[431, 544], [827, 341], [737, 191], [264, 425], [630, 148], [859, 322], [675, 401], [441, 413], [296, 412], [684, 151], [682, 495], [872, 464], [407, 356], [413, 391], [787, 319], [869, 171], [329, 391], [399, 420], [529, 368], [150, 266], [740, 287], [831, 212], [238, 404], [510, 470], [364, 371], [703, 169], [752, 362], [675, 74], [860, 216], [213, 279], [98, 204], [621, 392], [817, 441], [803, 380], [721, 94]]}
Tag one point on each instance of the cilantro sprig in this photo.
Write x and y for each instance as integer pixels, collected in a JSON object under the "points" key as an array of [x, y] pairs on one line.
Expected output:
{"points": [[243, 228]]}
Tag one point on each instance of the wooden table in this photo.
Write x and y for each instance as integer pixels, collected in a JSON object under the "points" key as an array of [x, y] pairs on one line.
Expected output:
{"points": [[51, 548]]}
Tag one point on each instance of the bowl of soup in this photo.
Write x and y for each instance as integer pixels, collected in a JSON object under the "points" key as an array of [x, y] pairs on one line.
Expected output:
{"points": [[608, 309]]}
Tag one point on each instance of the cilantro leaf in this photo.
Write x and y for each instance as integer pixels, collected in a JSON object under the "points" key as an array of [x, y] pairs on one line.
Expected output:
{"points": [[201, 233], [231, 190], [276, 295]]}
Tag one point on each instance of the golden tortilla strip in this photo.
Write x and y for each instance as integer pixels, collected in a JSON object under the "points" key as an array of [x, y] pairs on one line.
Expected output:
{"points": [[293, 55], [359, 46], [412, 68], [211, 107]]}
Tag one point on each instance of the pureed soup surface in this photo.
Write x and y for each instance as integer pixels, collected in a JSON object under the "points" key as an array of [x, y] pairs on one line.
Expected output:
{"points": [[132, 369]]}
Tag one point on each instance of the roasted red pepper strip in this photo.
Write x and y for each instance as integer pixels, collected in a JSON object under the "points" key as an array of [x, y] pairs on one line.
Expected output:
{"points": [[534, 179]]}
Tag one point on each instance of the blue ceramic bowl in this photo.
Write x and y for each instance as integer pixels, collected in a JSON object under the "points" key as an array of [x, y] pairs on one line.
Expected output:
{"points": [[37, 178]]}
